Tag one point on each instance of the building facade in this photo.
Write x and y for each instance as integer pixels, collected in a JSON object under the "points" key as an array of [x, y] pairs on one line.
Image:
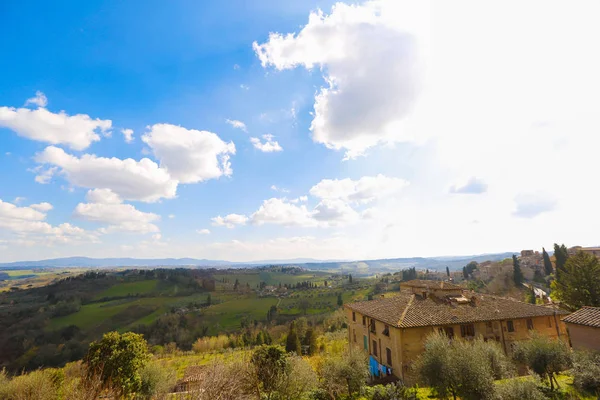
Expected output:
{"points": [[584, 329], [393, 330]]}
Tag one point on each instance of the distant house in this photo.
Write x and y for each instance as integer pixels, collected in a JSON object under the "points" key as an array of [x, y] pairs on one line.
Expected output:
{"points": [[192, 378], [527, 253], [393, 330], [584, 328], [594, 251]]}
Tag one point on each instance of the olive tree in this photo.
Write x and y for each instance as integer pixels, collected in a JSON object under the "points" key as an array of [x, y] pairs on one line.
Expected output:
{"points": [[544, 356]]}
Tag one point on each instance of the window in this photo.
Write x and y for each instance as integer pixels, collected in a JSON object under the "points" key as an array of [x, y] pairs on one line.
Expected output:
{"points": [[511, 326], [386, 331], [374, 349], [388, 356], [489, 327], [353, 316], [364, 320], [448, 331], [354, 335], [467, 330], [530, 324], [372, 325], [365, 343]]}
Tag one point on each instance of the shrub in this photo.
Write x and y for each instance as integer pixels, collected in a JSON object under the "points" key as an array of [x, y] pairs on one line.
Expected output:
{"points": [[519, 389], [157, 381], [389, 392], [586, 372], [38, 385]]}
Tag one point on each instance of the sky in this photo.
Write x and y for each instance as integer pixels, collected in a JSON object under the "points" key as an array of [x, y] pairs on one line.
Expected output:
{"points": [[260, 130]]}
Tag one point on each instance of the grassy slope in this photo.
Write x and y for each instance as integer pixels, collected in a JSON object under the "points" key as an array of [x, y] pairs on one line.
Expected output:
{"points": [[130, 288]]}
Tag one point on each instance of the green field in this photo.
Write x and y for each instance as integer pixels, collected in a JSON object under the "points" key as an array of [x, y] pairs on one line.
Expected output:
{"points": [[130, 288], [271, 278], [227, 316]]}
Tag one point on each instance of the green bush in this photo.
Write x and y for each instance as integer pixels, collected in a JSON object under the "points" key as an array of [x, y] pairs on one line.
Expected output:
{"points": [[519, 389], [586, 372], [389, 392], [157, 381]]}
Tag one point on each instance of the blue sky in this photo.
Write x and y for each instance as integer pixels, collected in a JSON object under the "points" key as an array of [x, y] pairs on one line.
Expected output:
{"points": [[365, 130]]}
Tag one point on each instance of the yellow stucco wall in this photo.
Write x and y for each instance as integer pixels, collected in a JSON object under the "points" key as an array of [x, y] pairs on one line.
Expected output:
{"points": [[584, 337], [407, 344]]}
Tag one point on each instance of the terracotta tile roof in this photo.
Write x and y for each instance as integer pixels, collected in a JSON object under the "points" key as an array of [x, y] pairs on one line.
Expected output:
{"points": [[408, 310], [589, 316], [428, 284]]}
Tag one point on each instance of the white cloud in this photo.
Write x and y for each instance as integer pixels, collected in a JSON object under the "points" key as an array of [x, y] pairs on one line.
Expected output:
{"points": [[363, 190], [127, 135], [18, 200], [472, 186], [268, 146], [76, 131], [237, 124], [43, 207], [244, 87], [29, 224], [230, 220], [171, 216], [370, 64], [203, 231], [140, 180], [39, 100], [335, 212], [281, 212], [106, 208], [190, 156], [102, 196]]}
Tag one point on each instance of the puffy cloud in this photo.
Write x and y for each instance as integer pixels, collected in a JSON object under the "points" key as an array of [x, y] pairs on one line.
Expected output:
{"points": [[30, 222], [203, 231], [363, 190], [140, 180], [281, 212], [237, 124], [531, 205], [335, 212], [106, 208], [127, 135], [370, 65], [268, 146], [472, 186], [76, 131], [190, 156], [42, 207], [39, 100], [103, 196], [230, 220]]}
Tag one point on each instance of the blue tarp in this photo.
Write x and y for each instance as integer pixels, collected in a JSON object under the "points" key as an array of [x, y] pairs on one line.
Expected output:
{"points": [[373, 366]]}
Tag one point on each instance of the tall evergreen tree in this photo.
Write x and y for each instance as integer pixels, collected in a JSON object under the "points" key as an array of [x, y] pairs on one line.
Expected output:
{"points": [[579, 283], [340, 301], [517, 273], [350, 278], [292, 344], [561, 255], [311, 341], [547, 263], [448, 271]]}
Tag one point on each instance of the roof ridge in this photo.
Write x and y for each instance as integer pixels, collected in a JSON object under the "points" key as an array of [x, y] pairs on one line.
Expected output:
{"points": [[412, 297]]}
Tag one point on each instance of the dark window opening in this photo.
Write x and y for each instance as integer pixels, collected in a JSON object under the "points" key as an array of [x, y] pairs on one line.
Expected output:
{"points": [[467, 330], [374, 349], [372, 326], [364, 320], [530, 324], [386, 331], [388, 356], [511, 326], [353, 316], [354, 335]]}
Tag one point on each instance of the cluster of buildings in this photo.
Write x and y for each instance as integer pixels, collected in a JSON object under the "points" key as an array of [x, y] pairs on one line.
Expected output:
{"points": [[393, 330]]}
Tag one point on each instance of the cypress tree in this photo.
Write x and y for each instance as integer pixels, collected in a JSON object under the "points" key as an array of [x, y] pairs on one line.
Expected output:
{"points": [[547, 263], [517, 273], [311, 341], [292, 344], [448, 271]]}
